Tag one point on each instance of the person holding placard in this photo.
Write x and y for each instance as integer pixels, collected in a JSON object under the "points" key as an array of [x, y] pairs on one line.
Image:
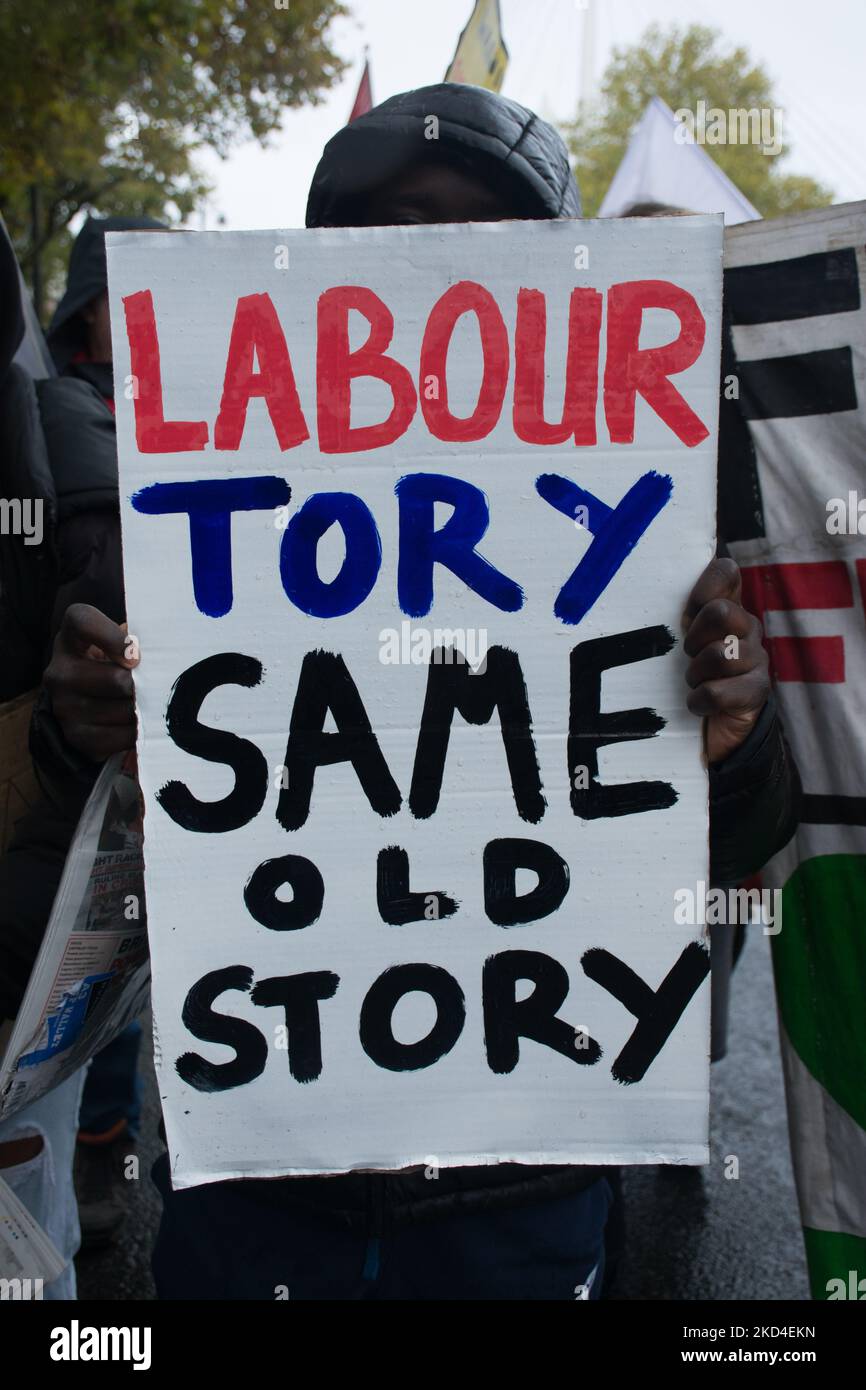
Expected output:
{"points": [[504, 1231]]}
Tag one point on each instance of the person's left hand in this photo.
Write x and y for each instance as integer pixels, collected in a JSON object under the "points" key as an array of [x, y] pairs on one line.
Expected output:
{"points": [[728, 672]]}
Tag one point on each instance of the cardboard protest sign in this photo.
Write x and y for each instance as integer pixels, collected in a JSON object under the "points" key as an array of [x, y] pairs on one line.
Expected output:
{"points": [[410, 516]]}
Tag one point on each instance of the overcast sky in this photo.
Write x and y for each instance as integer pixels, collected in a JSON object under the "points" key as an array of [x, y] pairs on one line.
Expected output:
{"points": [[814, 54]]}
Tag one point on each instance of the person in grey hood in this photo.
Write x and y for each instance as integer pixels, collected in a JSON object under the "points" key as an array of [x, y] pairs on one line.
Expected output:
{"points": [[80, 332], [448, 153]]}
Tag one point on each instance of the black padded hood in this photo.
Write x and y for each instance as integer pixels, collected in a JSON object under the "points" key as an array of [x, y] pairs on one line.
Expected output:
{"points": [[480, 131], [88, 277]]}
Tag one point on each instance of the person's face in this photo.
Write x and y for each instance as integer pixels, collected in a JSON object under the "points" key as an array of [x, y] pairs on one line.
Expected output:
{"points": [[433, 193], [98, 327]]}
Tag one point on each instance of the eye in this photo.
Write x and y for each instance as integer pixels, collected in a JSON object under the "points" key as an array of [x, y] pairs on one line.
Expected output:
{"points": [[409, 214]]}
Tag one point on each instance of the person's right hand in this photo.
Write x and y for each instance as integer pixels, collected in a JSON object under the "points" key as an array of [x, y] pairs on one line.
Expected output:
{"points": [[90, 683]]}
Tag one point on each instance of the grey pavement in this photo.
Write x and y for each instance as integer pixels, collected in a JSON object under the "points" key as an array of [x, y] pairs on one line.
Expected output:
{"points": [[691, 1233], [695, 1234]]}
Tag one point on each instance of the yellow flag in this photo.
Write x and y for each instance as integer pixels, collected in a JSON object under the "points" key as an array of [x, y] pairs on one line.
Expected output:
{"points": [[481, 56]]}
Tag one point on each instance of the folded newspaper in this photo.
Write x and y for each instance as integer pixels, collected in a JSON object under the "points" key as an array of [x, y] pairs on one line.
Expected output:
{"points": [[92, 974], [29, 1259]]}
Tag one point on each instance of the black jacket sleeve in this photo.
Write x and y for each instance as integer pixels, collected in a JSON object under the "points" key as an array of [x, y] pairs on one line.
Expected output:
{"points": [[30, 873], [88, 547], [86, 568], [754, 802], [82, 448], [91, 571]]}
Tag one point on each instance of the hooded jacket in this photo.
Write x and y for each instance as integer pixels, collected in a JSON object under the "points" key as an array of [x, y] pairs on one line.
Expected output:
{"points": [[25, 578], [11, 310], [58, 447], [86, 279], [753, 794]]}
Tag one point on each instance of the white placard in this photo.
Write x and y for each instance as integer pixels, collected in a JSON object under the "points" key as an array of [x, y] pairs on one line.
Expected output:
{"points": [[460, 964]]}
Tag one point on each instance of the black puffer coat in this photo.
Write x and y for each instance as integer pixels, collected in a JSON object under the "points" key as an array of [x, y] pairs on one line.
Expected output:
{"points": [[25, 570], [66, 424], [57, 449]]}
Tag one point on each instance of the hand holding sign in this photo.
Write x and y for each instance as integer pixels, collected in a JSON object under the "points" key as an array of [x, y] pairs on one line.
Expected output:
{"points": [[89, 682], [729, 671]]}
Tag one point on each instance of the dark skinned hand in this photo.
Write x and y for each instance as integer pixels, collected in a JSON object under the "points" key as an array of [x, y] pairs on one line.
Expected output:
{"points": [[89, 681], [729, 680]]}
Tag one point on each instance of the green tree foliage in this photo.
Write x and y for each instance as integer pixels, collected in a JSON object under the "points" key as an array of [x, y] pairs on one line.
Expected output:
{"points": [[103, 105], [683, 67]]}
